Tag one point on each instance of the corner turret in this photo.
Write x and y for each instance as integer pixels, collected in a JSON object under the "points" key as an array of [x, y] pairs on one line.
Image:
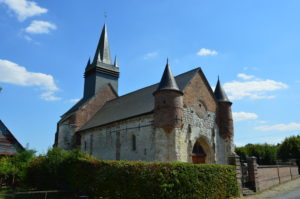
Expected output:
{"points": [[168, 110], [224, 113]]}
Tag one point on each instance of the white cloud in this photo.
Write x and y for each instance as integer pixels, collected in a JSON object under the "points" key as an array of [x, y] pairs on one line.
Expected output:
{"points": [[150, 55], [254, 89], [24, 8], [280, 127], [49, 96], [12, 73], [205, 51], [244, 76], [242, 116], [40, 27], [74, 100]]}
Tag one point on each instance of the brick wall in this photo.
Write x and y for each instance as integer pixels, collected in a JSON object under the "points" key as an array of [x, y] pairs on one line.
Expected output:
{"points": [[264, 176]]}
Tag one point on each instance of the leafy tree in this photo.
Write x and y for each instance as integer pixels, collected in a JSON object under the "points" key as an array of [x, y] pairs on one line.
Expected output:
{"points": [[290, 149], [266, 154], [13, 169]]}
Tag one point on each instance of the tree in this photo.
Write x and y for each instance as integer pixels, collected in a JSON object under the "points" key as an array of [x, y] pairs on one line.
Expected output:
{"points": [[13, 168], [290, 149], [266, 154]]}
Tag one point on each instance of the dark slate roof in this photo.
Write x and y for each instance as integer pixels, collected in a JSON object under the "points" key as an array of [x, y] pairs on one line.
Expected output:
{"points": [[9, 145], [139, 102], [103, 53], [220, 93], [167, 81]]}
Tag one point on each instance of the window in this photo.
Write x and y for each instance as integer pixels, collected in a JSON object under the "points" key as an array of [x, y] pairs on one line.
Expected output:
{"points": [[133, 142], [91, 144], [85, 146]]}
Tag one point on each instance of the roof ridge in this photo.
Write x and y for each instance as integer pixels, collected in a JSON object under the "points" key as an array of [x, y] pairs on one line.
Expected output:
{"points": [[195, 69]]}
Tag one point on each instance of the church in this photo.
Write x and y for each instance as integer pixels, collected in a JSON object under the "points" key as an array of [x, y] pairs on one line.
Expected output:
{"points": [[178, 119]]}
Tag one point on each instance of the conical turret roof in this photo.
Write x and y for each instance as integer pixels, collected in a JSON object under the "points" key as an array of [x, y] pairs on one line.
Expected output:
{"points": [[167, 81], [220, 93], [103, 52]]}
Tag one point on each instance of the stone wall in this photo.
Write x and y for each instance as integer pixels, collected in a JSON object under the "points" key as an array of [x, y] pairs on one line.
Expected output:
{"points": [[115, 141], [131, 139]]}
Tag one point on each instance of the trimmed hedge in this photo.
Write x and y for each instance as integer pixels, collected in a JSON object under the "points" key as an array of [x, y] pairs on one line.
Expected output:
{"points": [[133, 180]]}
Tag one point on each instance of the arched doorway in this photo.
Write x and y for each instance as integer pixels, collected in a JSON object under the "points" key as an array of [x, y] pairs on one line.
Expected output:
{"points": [[202, 152], [198, 154]]}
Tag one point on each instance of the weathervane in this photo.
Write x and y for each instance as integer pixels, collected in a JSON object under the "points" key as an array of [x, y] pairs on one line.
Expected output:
{"points": [[105, 16]]}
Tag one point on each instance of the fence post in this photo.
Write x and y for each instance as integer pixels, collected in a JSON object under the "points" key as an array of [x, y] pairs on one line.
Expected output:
{"points": [[253, 173], [235, 161]]}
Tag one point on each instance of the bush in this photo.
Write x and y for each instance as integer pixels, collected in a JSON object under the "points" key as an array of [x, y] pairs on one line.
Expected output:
{"points": [[133, 180]]}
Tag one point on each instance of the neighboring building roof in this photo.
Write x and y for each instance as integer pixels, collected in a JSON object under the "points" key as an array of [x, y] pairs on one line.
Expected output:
{"points": [[167, 81], [136, 103], [220, 93], [9, 145]]}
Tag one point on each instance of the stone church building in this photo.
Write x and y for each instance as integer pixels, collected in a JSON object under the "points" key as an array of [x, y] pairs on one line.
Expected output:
{"points": [[178, 119]]}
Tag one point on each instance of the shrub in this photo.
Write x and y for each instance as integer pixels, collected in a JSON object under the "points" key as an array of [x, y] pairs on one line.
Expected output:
{"points": [[126, 179]]}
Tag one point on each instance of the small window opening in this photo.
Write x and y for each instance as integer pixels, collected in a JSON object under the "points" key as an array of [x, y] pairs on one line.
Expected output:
{"points": [[91, 144], [133, 142], [84, 145]]}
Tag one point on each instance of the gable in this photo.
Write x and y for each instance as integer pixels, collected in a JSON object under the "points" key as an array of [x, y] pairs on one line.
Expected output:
{"points": [[86, 111], [199, 95], [8, 143]]}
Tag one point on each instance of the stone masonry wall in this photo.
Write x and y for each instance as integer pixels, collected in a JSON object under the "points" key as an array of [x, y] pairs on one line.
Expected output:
{"points": [[116, 142]]}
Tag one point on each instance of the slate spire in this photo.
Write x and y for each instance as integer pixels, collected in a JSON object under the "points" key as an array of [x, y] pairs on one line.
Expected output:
{"points": [[103, 52], [116, 62], [167, 81], [220, 93]]}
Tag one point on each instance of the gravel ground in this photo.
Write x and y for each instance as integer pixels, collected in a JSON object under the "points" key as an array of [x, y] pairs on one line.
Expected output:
{"points": [[277, 190]]}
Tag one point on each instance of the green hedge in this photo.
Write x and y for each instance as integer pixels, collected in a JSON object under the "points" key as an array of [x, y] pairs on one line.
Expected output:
{"points": [[133, 180]]}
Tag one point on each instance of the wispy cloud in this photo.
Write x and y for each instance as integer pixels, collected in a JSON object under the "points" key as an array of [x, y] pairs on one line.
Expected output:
{"points": [[253, 89], [205, 52], [280, 127], [244, 76], [150, 55], [13, 73], [74, 100], [242, 116], [24, 8], [40, 27]]}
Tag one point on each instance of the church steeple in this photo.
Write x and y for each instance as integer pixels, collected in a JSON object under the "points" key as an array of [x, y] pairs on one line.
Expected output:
{"points": [[101, 71], [103, 52]]}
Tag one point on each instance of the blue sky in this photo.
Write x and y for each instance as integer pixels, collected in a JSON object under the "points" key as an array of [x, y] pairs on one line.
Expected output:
{"points": [[253, 45]]}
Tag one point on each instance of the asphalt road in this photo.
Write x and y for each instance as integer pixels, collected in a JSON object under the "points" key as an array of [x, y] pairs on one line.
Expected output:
{"points": [[289, 195]]}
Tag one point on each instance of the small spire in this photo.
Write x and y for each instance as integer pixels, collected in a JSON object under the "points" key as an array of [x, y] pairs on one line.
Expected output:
{"points": [[220, 93], [167, 81], [116, 62], [103, 52], [88, 63]]}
